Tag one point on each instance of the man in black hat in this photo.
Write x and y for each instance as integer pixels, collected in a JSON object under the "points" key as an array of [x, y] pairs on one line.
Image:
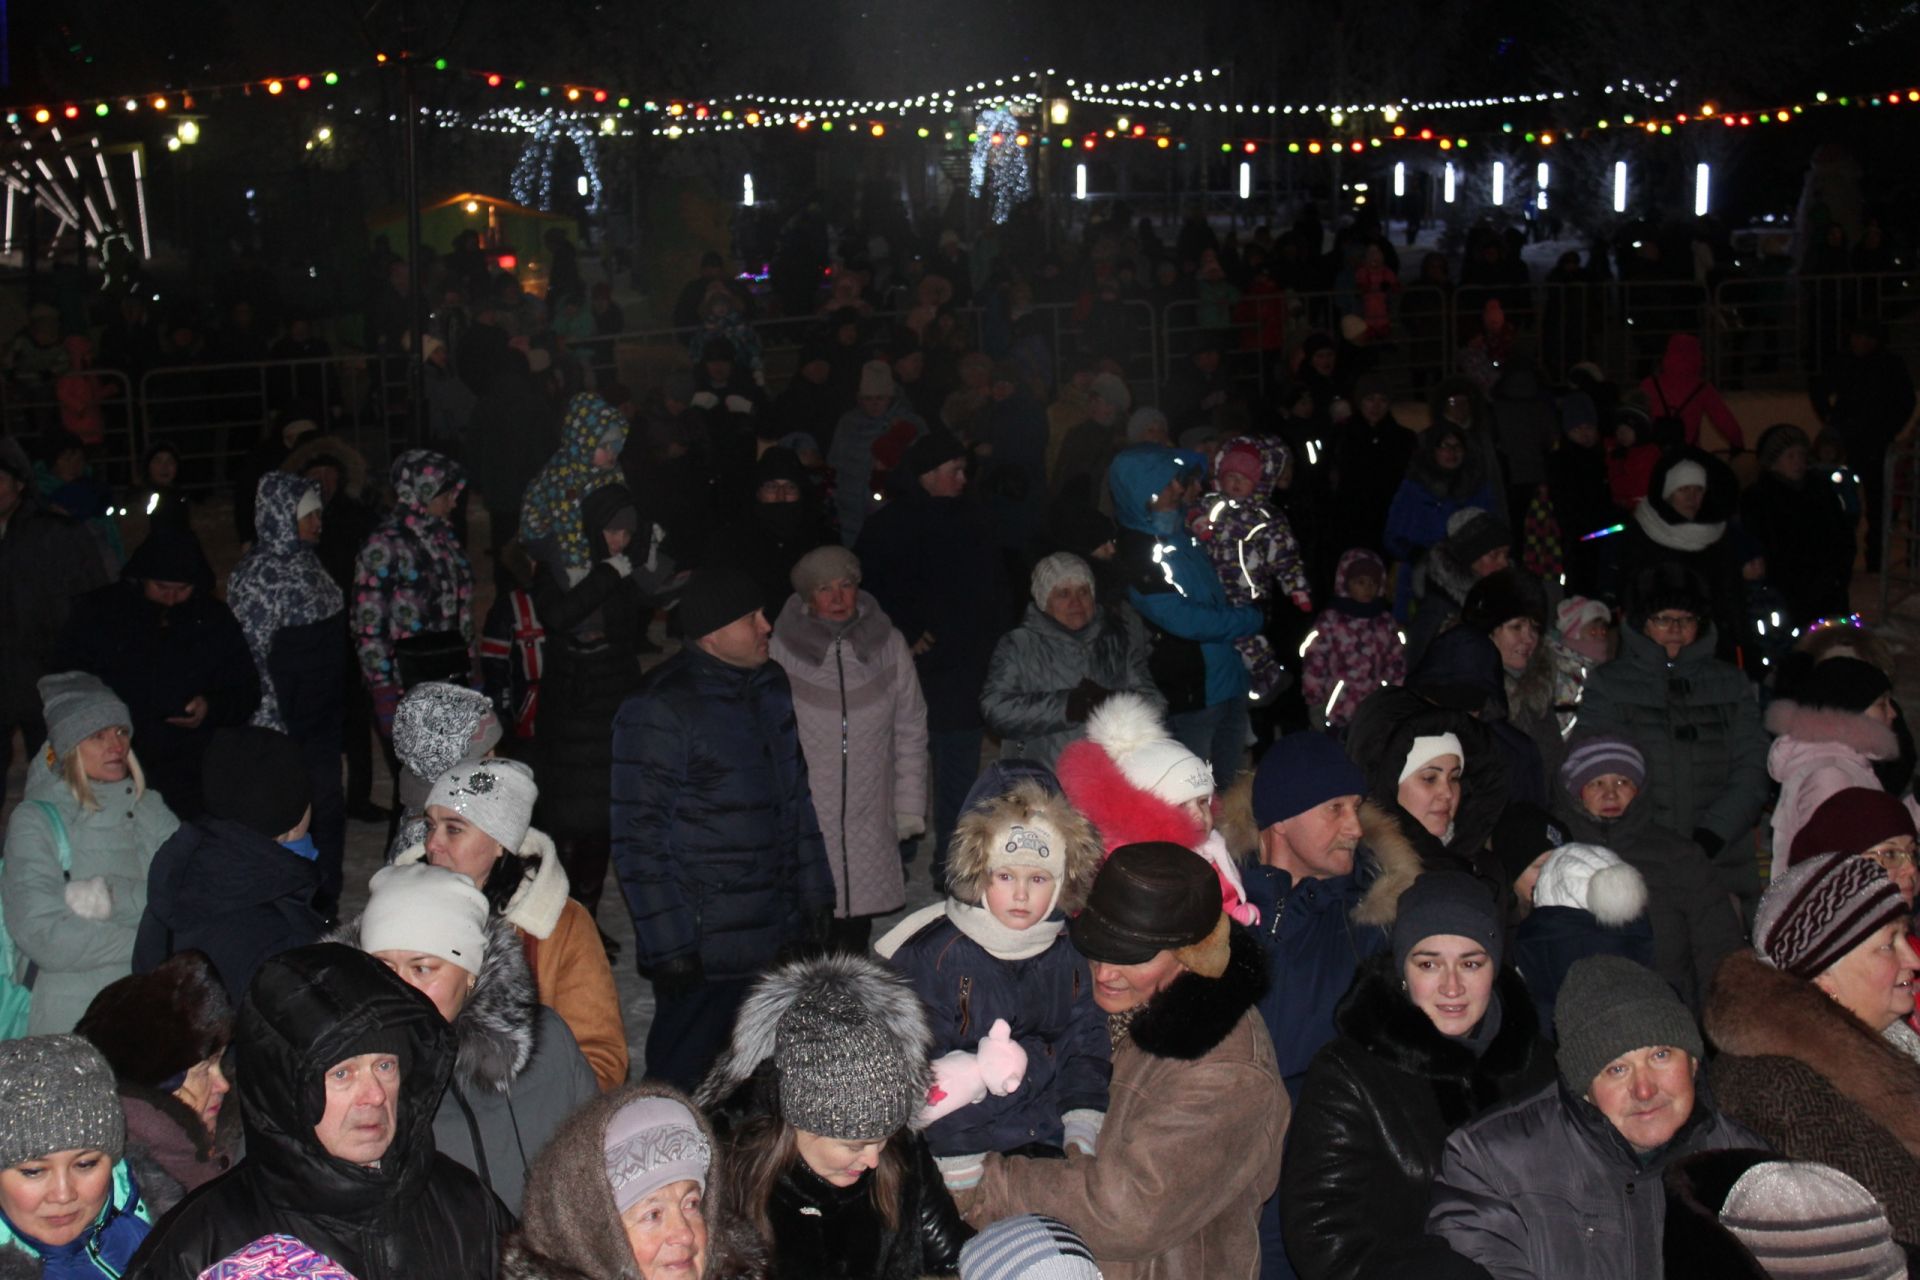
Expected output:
{"points": [[715, 840], [1191, 1143]]}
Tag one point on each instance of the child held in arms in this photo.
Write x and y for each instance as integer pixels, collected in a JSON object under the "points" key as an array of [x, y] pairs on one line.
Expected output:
{"points": [[1021, 1058]]}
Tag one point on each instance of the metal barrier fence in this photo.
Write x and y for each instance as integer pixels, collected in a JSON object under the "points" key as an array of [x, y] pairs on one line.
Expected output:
{"points": [[1900, 536], [107, 393]]}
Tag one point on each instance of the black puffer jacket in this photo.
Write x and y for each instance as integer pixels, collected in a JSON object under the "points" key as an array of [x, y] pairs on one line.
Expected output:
{"points": [[824, 1232], [1656, 534], [1379, 739], [1375, 1112], [594, 628], [417, 1216]]}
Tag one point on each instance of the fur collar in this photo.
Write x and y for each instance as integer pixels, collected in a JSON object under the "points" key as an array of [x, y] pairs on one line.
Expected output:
{"points": [[494, 1029], [1389, 864], [1853, 729], [1685, 535], [1376, 1015], [1755, 1010], [1121, 812], [536, 905], [1445, 576], [1190, 1018], [811, 640]]}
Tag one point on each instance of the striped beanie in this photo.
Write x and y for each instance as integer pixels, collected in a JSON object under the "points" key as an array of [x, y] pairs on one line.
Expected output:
{"points": [[1598, 756], [1813, 1221], [1031, 1246], [1818, 910]]}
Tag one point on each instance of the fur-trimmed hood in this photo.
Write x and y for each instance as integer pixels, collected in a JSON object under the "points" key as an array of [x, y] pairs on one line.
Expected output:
{"points": [[1755, 1010], [970, 854], [1379, 1018], [353, 464], [1120, 812], [1192, 1014], [536, 905], [1387, 862], [1807, 735], [811, 640], [878, 989], [494, 1029], [569, 1227]]}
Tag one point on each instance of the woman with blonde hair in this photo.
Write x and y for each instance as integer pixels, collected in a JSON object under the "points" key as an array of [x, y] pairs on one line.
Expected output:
{"points": [[78, 848]]}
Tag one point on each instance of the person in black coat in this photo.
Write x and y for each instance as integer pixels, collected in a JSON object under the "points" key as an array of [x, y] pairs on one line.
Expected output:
{"points": [[173, 652], [593, 632], [1430, 1036], [239, 882], [1691, 497], [715, 840], [1370, 457], [1582, 500], [929, 560], [1796, 516], [379, 1202], [1866, 395], [783, 524]]}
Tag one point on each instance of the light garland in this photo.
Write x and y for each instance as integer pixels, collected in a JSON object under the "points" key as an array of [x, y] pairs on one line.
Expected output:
{"points": [[532, 179], [997, 156]]}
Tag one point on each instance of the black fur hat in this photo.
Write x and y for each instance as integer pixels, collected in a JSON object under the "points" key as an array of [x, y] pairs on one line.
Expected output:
{"points": [[153, 1027]]}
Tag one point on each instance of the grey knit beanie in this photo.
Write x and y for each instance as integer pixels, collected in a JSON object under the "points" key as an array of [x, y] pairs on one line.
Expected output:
{"points": [[78, 705], [844, 1074], [1056, 571], [1029, 1246], [822, 565], [57, 1094], [1608, 1005]]}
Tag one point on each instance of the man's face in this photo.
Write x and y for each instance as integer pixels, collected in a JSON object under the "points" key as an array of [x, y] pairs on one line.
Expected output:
{"points": [[741, 643], [363, 1102], [167, 594], [1316, 844], [948, 480], [1120, 987], [10, 490], [777, 491], [1647, 1094]]}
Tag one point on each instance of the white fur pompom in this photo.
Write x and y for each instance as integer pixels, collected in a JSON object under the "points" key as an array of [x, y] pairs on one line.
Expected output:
{"points": [[1123, 723], [1617, 895]]}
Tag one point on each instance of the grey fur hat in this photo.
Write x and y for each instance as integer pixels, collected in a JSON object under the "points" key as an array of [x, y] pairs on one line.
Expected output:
{"points": [[57, 1094], [848, 1041], [983, 832]]}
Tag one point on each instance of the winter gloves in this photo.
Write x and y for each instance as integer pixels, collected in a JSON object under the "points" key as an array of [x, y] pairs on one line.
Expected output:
{"points": [[960, 1079], [677, 977], [1083, 698]]}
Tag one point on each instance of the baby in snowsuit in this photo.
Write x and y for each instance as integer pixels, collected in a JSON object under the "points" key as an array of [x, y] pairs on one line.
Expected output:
{"points": [[1251, 545], [1356, 645]]}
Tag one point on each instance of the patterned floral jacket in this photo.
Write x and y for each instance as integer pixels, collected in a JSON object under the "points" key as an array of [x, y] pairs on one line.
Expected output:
{"points": [[412, 577]]}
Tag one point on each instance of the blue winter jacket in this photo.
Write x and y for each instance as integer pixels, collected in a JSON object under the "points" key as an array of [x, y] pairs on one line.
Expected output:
{"points": [[715, 840], [1417, 522], [1173, 585], [1047, 1001], [1550, 939]]}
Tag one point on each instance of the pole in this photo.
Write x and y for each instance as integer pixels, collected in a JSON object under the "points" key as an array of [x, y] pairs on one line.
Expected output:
{"points": [[416, 311]]}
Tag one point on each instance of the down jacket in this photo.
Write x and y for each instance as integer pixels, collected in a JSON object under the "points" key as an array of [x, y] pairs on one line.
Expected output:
{"points": [[1191, 1144], [1696, 722], [863, 730], [417, 1215], [412, 577], [117, 842], [1546, 1186], [517, 1073], [715, 840], [1039, 663], [1376, 1109], [1821, 751], [1354, 648], [1816, 1083]]}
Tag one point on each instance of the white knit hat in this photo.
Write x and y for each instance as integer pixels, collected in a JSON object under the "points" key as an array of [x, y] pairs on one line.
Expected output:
{"points": [[1130, 731], [419, 907], [1056, 571], [1588, 877], [1576, 612], [1682, 474], [876, 378], [1429, 747], [494, 795]]}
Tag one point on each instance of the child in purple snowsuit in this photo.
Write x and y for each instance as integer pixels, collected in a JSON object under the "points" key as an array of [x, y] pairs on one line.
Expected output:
{"points": [[1356, 645], [1252, 545]]}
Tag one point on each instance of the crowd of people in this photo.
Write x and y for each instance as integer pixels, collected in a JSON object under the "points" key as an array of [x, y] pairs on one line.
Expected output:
{"points": [[1485, 849]]}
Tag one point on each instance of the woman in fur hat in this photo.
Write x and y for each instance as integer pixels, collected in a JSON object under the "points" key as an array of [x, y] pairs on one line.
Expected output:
{"points": [[1833, 727], [164, 1034], [818, 1095], [631, 1186], [78, 849], [517, 1073], [1020, 863], [479, 823], [1814, 1052], [1431, 1034]]}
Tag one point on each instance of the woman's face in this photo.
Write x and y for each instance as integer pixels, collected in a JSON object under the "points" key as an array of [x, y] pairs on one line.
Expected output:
{"points": [[667, 1231], [1450, 979], [57, 1197], [438, 979], [1874, 981], [617, 540], [1609, 795], [1449, 453], [204, 1090], [309, 527], [1896, 857], [834, 601], [1120, 987], [841, 1163], [1071, 604], [1686, 500], [1516, 639], [1673, 630], [458, 845], [104, 755], [1431, 794]]}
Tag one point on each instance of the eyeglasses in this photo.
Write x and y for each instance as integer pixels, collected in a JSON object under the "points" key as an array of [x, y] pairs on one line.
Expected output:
{"points": [[1891, 858], [1674, 621]]}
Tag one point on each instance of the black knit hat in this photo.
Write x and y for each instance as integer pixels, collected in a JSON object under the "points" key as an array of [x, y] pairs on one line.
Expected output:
{"points": [[1446, 903], [257, 778], [1148, 898], [931, 452], [1500, 597], [1843, 684], [1472, 533], [1663, 587], [716, 596]]}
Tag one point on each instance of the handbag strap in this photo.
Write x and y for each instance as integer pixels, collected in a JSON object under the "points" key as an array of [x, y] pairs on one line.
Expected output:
{"points": [[59, 829]]}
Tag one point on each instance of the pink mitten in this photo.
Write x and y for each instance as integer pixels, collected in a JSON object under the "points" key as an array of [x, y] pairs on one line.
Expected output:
{"points": [[961, 1079]]}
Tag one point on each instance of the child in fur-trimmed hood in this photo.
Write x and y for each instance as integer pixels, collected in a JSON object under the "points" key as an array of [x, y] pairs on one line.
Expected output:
{"points": [[1020, 863]]}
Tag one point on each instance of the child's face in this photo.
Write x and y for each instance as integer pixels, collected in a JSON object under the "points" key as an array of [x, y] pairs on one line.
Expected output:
{"points": [[1201, 808], [1236, 485], [1019, 897], [1361, 589]]}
